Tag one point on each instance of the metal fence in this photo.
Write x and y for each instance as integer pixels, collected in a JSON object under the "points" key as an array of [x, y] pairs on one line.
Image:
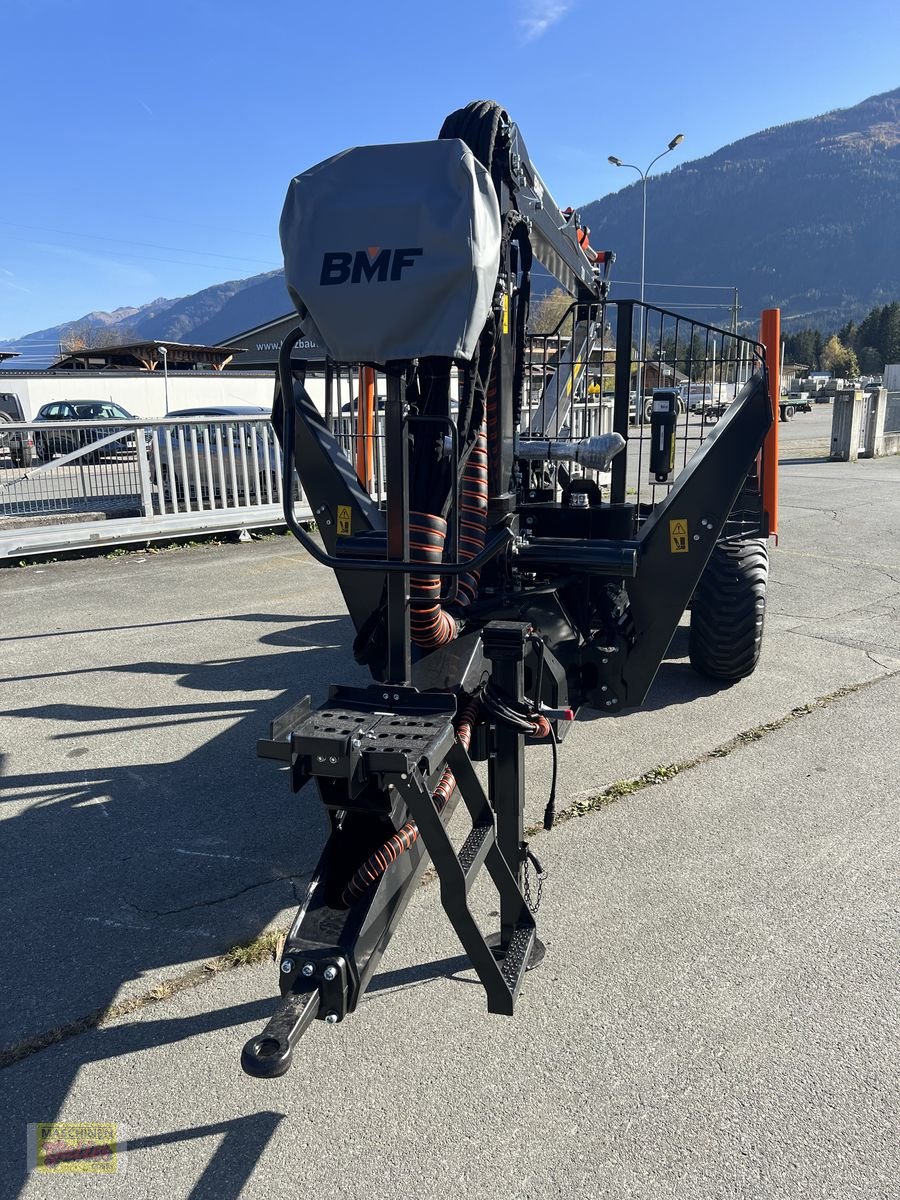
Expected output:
{"points": [[80, 483], [83, 483], [141, 470], [610, 359]]}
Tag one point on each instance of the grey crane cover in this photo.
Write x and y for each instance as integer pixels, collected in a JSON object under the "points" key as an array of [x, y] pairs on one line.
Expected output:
{"points": [[392, 252]]}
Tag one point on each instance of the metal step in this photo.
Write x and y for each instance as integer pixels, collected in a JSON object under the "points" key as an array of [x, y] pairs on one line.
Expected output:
{"points": [[514, 962], [501, 975], [474, 851]]}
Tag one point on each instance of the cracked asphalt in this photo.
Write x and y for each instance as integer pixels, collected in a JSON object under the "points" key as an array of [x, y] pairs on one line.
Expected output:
{"points": [[716, 1015]]}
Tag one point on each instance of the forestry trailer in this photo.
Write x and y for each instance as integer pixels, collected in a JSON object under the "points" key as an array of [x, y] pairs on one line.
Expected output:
{"points": [[509, 549]]}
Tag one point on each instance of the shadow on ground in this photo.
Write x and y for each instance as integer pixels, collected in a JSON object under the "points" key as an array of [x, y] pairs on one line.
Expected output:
{"points": [[127, 871], [805, 460], [118, 872]]}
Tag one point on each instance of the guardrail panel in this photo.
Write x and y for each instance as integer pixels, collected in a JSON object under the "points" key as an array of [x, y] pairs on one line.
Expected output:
{"points": [[189, 473]]}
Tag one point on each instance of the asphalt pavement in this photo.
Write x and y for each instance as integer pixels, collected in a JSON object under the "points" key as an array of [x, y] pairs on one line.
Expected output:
{"points": [[716, 1015]]}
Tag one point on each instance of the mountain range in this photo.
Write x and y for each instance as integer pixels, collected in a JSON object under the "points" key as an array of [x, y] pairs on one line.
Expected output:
{"points": [[803, 216]]}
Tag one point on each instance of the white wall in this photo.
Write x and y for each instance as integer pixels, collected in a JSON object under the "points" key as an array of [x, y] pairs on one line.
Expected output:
{"points": [[143, 393]]}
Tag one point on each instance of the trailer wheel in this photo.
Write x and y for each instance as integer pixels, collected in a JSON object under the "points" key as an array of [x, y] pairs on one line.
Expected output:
{"points": [[728, 611], [787, 412]]}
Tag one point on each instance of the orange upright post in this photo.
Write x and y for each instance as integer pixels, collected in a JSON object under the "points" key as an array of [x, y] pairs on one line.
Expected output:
{"points": [[365, 427], [770, 336]]}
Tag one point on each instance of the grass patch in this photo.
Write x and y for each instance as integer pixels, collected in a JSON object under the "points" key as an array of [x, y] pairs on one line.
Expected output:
{"points": [[265, 947], [662, 774]]}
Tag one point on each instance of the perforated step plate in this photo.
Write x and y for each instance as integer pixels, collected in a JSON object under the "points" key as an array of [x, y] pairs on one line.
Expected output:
{"points": [[414, 733]]}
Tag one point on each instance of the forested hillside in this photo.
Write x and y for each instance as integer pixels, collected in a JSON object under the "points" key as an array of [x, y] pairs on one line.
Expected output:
{"points": [[804, 216]]}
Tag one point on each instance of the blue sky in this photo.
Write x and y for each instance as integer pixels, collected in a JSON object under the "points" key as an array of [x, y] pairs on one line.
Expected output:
{"points": [[147, 147]]}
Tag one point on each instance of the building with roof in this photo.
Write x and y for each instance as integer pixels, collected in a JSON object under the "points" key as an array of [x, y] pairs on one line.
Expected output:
{"points": [[147, 356], [261, 345]]}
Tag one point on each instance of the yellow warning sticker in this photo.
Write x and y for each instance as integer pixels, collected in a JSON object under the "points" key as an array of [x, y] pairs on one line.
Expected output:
{"points": [[344, 520], [678, 537], [506, 312]]}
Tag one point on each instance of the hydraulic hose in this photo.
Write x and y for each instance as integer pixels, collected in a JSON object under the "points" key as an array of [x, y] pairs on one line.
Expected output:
{"points": [[473, 518], [430, 625], [407, 836]]}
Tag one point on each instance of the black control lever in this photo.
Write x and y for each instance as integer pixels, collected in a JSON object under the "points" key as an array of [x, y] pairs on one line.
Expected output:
{"points": [[269, 1054]]}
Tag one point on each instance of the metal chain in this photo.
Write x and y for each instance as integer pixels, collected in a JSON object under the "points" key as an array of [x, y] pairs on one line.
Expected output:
{"points": [[540, 875]]}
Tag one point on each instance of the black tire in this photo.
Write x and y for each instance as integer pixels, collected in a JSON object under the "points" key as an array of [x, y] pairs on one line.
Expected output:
{"points": [[728, 611], [57, 443], [23, 457]]}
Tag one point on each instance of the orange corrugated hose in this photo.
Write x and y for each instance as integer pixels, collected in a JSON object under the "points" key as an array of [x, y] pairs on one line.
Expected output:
{"points": [[473, 514], [430, 624], [405, 837]]}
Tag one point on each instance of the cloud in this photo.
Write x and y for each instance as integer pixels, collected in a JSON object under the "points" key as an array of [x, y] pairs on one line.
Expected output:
{"points": [[538, 15], [13, 287]]}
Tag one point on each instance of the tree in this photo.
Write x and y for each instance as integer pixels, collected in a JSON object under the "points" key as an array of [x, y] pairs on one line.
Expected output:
{"points": [[832, 354], [817, 351], [699, 364], [870, 332], [838, 359], [890, 332], [83, 335], [870, 361], [848, 334], [799, 347], [547, 313]]}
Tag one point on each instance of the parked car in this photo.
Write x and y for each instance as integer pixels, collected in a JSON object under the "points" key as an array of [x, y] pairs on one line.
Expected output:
{"points": [[350, 406], [226, 443], [19, 442], [65, 441]]}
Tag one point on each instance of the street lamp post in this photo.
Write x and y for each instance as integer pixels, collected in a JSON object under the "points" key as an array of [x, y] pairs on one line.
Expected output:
{"points": [[617, 162], [165, 361]]}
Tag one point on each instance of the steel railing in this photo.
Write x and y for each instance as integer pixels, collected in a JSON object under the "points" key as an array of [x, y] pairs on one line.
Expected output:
{"points": [[136, 479], [140, 469], [599, 368], [84, 482]]}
